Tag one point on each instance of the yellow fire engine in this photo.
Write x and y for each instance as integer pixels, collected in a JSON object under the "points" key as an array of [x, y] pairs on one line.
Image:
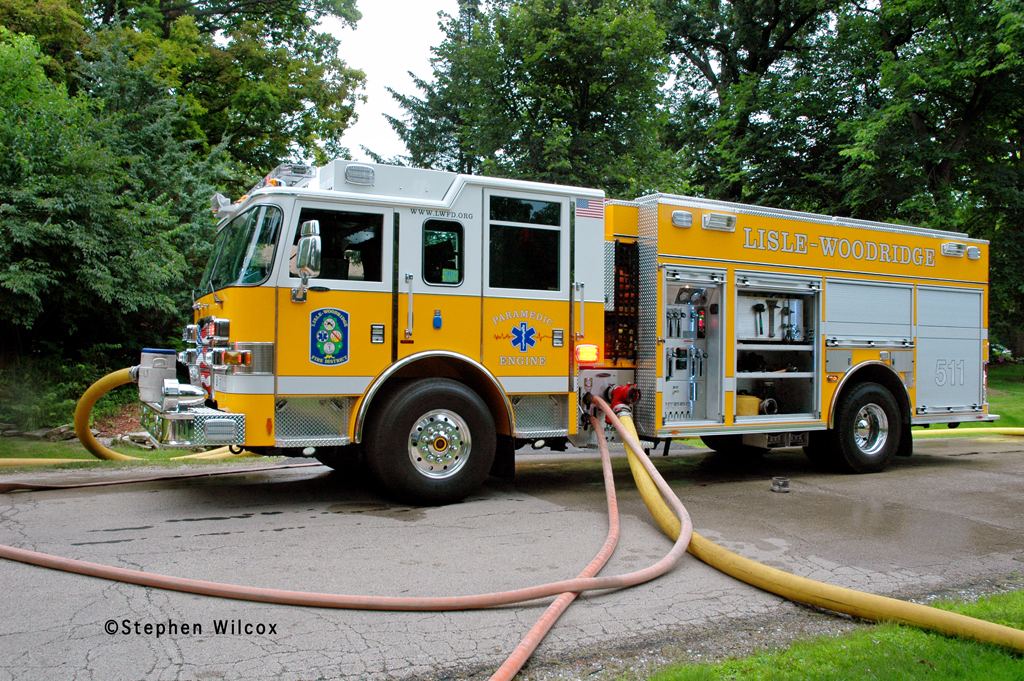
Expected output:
{"points": [[428, 324]]}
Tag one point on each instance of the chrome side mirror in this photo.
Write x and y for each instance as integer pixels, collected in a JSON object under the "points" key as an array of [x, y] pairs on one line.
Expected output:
{"points": [[307, 259]]}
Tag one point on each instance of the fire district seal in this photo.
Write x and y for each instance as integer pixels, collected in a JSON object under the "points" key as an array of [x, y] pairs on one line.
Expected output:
{"points": [[328, 337]]}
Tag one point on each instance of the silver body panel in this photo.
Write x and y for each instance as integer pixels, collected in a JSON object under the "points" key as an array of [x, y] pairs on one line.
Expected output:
{"points": [[195, 427]]}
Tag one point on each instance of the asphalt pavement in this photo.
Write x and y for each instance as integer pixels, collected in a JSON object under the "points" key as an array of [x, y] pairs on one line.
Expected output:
{"points": [[948, 518]]}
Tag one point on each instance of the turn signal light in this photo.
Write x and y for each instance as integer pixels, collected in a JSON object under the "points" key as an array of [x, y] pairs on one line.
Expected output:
{"points": [[238, 358], [587, 354]]}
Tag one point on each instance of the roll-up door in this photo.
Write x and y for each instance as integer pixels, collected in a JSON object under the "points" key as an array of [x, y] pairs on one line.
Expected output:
{"points": [[949, 337], [867, 313]]}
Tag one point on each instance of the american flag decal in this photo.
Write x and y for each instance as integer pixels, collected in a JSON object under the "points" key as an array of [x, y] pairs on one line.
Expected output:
{"points": [[590, 208]]}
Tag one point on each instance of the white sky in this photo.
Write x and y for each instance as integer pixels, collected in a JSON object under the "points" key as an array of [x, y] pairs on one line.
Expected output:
{"points": [[392, 38]]}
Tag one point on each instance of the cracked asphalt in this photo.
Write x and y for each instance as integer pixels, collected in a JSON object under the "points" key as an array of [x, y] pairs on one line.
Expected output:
{"points": [[948, 518]]}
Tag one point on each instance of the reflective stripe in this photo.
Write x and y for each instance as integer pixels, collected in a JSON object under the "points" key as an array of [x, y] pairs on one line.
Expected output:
{"points": [[242, 384], [534, 384], [323, 385]]}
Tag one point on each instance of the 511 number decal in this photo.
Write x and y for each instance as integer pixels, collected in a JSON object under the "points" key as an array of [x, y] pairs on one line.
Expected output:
{"points": [[946, 371]]}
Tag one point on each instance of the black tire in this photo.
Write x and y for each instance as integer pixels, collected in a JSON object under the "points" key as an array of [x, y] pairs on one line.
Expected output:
{"points": [[431, 442], [343, 459], [820, 449], [731, 444], [867, 429]]}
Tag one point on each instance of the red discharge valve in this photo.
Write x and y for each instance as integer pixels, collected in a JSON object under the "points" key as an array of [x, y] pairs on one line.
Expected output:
{"points": [[623, 394]]}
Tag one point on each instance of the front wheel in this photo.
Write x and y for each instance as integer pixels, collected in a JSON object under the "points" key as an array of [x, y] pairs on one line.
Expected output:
{"points": [[433, 442], [867, 429]]}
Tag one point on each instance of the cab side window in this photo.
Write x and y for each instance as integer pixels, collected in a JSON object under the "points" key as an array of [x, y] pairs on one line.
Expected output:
{"points": [[351, 244], [443, 257], [524, 243]]}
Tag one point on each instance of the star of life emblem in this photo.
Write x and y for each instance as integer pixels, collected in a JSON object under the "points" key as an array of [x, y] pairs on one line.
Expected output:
{"points": [[523, 337]]}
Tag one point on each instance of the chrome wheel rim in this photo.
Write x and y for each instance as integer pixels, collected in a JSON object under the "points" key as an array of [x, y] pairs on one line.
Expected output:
{"points": [[439, 444], [871, 430]]}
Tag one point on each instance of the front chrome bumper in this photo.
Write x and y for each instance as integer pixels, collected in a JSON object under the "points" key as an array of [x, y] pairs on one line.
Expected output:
{"points": [[195, 426]]}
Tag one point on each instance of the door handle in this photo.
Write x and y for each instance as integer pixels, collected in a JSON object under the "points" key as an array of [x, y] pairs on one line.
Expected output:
{"points": [[583, 303], [408, 330]]}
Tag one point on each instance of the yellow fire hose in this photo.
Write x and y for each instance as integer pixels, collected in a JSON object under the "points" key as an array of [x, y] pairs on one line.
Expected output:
{"points": [[94, 447], [801, 589], [83, 411], [769, 579], [968, 432]]}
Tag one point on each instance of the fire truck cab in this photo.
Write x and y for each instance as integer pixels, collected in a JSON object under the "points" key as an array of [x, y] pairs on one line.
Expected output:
{"points": [[426, 324]]}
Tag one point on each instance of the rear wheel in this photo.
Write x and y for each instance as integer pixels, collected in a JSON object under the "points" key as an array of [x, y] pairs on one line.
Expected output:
{"points": [[432, 442], [867, 429]]}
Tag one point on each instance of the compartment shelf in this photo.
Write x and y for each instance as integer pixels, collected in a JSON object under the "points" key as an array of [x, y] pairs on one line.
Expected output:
{"points": [[761, 375], [744, 345], [772, 418]]}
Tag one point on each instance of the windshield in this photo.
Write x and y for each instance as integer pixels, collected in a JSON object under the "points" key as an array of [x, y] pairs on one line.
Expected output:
{"points": [[243, 252]]}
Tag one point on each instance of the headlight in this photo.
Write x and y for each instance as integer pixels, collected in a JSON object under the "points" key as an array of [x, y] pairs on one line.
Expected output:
{"points": [[214, 331]]}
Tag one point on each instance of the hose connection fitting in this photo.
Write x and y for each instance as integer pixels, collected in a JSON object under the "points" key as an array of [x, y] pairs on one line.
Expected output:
{"points": [[622, 398], [622, 394]]}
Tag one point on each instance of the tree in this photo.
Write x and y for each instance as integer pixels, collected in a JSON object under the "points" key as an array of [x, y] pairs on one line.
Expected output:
{"points": [[440, 128], [553, 90], [741, 91], [903, 110], [257, 75], [945, 146], [59, 28], [89, 189]]}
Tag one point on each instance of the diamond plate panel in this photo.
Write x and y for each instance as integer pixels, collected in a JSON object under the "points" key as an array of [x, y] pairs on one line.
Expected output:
{"points": [[217, 420], [541, 415], [312, 421], [647, 350], [609, 276]]}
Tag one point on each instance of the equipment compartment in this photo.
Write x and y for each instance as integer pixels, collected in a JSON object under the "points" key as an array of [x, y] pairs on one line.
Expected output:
{"points": [[692, 347], [776, 346]]}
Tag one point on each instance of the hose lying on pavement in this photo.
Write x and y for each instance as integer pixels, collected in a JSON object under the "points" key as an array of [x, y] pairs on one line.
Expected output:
{"points": [[35, 487], [536, 634], [809, 591], [402, 603], [671, 517], [566, 590]]}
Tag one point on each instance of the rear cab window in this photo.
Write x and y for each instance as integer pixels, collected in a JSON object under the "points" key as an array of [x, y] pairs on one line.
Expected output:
{"points": [[525, 243]]}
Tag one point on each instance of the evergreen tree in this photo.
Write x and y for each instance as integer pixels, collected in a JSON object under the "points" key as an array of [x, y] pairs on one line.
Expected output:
{"points": [[563, 91]]}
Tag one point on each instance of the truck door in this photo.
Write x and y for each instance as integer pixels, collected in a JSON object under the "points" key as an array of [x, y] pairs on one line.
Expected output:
{"points": [[949, 347], [526, 311], [438, 299], [331, 346]]}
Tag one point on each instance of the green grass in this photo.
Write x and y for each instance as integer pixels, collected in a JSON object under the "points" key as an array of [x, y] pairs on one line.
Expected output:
{"points": [[12, 448], [886, 652], [1006, 395]]}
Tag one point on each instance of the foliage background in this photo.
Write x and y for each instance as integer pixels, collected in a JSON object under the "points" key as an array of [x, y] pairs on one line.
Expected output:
{"points": [[118, 121], [119, 118]]}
